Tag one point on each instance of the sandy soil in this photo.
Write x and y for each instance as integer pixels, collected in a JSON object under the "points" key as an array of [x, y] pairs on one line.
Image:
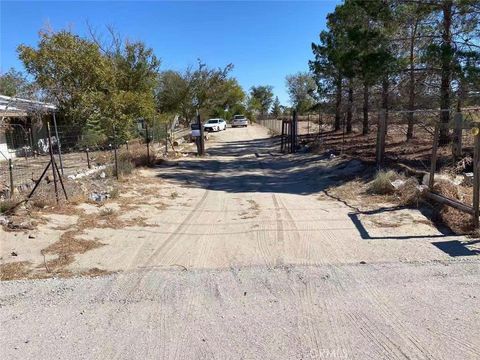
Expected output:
{"points": [[241, 255]]}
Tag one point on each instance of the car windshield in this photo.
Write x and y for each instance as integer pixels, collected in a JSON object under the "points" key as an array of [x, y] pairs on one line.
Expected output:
{"points": [[212, 121], [239, 117]]}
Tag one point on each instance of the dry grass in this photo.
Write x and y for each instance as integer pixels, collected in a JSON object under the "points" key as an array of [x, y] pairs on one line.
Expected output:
{"points": [[70, 245], [456, 220], [71, 242], [94, 272], [15, 270], [409, 194], [382, 183], [7, 205]]}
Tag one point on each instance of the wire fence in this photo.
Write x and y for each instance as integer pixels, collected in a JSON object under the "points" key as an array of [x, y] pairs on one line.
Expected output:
{"points": [[309, 124], [420, 141], [25, 154]]}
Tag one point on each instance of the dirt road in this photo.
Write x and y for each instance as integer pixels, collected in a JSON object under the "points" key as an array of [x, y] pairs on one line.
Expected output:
{"points": [[251, 260]]}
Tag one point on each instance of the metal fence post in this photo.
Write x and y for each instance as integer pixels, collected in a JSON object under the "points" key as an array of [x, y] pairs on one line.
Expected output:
{"points": [[59, 144], [10, 170], [115, 152], [88, 158], [147, 139], [52, 161]]}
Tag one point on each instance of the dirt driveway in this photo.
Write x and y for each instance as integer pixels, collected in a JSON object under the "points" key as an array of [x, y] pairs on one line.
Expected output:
{"points": [[241, 255]]}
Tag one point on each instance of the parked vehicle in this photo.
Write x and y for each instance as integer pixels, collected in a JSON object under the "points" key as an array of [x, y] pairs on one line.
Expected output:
{"points": [[215, 125], [239, 120]]}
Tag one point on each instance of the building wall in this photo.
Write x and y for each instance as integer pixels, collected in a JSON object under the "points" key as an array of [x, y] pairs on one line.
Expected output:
{"points": [[5, 153]]}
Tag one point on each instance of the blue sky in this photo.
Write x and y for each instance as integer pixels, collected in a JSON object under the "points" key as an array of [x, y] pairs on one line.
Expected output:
{"points": [[264, 40]]}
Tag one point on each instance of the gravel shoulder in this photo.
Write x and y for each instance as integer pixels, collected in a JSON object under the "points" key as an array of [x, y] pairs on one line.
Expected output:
{"points": [[240, 255]]}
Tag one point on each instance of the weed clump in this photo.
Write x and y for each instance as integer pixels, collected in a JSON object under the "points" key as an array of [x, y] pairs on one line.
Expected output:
{"points": [[6, 205], [382, 183]]}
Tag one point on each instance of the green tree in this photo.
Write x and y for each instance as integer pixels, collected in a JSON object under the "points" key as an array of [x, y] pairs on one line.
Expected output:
{"points": [[94, 88], [276, 107], [208, 90], [71, 70], [456, 32], [261, 98], [327, 72], [14, 83], [300, 87]]}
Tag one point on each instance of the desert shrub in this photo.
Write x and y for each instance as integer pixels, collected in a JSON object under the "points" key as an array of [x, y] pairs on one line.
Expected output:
{"points": [[107, 212], [382, 183], [41, 202], [6, 205], [115, 193], [125, 164]]}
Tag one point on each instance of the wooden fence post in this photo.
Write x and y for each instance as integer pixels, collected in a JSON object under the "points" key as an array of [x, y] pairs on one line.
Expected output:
{"points": [[476, 182], [457, 136], [381, 132], [433, 164]]}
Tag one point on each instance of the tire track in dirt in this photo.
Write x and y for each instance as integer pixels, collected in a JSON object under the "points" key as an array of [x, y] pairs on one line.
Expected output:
{"points": [[388, 346], [127, 288], [308, 304], [406, 328]]}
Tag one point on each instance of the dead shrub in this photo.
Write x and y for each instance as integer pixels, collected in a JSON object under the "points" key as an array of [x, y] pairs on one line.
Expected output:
{"points": [[103, 158], [42, 202], [382, 183], [458, 221], [408, 193], [447, 189]]}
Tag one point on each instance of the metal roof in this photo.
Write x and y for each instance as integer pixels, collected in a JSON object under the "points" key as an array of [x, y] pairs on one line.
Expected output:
{"points": [[13, 106]]}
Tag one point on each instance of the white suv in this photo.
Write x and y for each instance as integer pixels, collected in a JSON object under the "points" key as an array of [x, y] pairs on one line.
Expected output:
{"points": [[215, 125], [239, 120]]}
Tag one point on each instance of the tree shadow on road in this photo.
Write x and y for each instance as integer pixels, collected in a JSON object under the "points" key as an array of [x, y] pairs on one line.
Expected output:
{"points": [[257, 166]]}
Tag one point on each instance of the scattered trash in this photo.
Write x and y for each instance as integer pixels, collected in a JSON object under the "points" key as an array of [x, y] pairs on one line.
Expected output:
{"points": [[89, 172], [99, 197], [397, 184]]}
